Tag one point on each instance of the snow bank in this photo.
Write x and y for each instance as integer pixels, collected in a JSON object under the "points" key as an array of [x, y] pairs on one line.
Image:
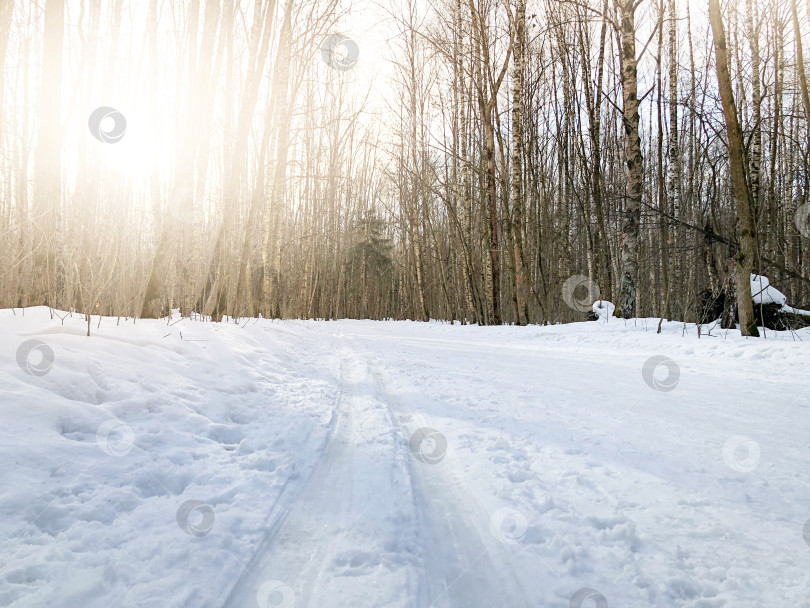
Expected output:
{"points": [[140, 468]]}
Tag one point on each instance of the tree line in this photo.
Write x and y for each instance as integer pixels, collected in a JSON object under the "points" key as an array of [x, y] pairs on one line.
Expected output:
{"points": [[231, 157]]}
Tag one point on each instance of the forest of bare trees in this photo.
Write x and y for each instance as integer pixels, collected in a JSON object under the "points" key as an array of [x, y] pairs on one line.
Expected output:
{"points": [[246, 160]]}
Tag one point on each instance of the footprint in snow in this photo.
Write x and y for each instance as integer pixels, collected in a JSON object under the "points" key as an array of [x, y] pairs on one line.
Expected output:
{"points": [[354, 563]]}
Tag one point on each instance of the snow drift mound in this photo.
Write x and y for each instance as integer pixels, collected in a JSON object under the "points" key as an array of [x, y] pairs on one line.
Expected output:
{"points": [[603, 310], [771, 308]]}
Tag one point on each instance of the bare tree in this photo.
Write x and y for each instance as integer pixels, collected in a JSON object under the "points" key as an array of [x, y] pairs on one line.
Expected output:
{"points": [[742, 195], [633, 157]]}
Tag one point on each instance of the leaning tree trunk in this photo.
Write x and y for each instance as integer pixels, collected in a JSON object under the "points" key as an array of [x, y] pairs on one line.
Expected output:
{"points": [[217, 285], [742, 196]]}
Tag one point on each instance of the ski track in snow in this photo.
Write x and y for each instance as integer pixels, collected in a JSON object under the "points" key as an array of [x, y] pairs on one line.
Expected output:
{"points": [[346, 523], [563, 470], [459, 565], [463, 566]]}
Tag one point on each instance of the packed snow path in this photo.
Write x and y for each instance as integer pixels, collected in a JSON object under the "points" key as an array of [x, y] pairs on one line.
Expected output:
{"points": [[364, 496], [361, 463]]}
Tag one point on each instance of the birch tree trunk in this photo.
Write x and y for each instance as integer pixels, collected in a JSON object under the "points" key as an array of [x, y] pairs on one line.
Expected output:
{"points": [[664, 203], [518, 66], [633, 159], [673, 150], [755, 163]]}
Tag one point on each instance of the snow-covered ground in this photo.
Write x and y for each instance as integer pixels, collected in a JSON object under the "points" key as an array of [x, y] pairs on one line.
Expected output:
{"points": [[370, 464]]}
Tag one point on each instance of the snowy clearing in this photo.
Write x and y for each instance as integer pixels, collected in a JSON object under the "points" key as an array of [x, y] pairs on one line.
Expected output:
{"points": [[360, 463]]}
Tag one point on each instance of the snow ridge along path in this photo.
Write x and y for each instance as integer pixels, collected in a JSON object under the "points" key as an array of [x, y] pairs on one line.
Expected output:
{"points": [[347, 540], [399, 464]]}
